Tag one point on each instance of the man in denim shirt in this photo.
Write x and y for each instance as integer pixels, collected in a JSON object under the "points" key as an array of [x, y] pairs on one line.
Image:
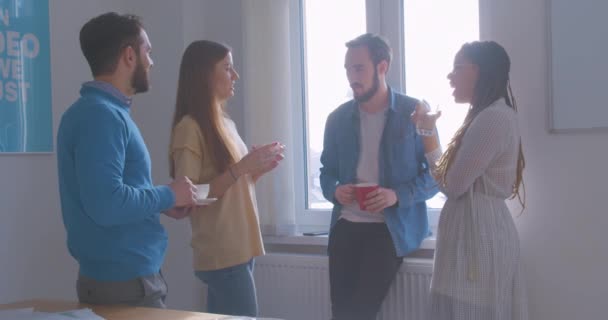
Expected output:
{"points": [[370, 139]]}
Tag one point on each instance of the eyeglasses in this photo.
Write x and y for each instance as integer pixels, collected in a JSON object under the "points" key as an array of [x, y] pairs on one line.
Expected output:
{"points": [[461, 65]]}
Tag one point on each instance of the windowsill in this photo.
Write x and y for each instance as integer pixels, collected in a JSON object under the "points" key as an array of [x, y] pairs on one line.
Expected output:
{"points": [[317, 245]]}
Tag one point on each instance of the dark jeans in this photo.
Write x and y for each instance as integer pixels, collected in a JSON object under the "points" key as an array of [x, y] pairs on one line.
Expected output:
{"points": [[148, 291], [231, 290], [362, 266]]}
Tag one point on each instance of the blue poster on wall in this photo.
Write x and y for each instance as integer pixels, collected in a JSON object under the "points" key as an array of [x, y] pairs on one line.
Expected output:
{"points": [[25, 77]]}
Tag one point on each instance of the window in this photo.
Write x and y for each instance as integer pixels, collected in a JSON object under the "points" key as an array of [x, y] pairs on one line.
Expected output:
{"points": [[326, 83], [431, 33], [432, 38]]}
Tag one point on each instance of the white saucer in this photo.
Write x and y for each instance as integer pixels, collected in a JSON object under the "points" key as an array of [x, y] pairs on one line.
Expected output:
{"points": [[205, 201]]}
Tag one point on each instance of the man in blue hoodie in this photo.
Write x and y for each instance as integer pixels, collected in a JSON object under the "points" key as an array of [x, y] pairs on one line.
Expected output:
{"points": [[111, 209]]}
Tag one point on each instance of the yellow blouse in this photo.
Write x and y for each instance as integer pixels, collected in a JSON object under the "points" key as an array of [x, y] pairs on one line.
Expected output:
{"points": [[227, 232]]}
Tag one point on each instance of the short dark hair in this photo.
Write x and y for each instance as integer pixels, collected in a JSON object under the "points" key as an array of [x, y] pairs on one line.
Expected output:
{"points": [[378, 46], [103, 38]]}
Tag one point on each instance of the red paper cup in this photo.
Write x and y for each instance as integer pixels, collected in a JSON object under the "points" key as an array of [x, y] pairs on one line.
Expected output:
{"points": [[361, 191]]}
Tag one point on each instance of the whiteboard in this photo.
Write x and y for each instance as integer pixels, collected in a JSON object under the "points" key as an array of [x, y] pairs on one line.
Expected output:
{"points": [[578, 66]]}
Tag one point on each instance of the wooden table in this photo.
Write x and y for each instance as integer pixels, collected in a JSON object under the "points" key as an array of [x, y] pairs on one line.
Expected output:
{"points": [[114, 312]]}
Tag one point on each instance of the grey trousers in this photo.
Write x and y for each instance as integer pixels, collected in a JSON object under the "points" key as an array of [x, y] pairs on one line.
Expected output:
{"points": [[148, 291]]}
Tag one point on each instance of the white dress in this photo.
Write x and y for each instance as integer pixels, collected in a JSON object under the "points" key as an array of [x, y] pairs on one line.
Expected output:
{"points": [[477, 271]]}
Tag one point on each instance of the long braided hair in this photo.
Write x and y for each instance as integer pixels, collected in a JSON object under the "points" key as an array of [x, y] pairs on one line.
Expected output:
{"points": [[492, 84]]}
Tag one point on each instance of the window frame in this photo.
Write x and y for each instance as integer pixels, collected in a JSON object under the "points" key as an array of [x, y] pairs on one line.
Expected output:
{"points": [[382, 16]]}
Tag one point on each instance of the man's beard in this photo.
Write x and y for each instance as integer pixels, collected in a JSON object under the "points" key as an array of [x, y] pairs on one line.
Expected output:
{"points": [[364, 97], [139, 80]]}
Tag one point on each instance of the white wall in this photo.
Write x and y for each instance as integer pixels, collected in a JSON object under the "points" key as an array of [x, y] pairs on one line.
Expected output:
{"points": [[564, 254], [34, 261], [561, 231], [223, 22]]}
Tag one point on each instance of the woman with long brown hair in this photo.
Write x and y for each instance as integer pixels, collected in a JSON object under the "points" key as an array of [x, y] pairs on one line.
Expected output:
{"points": [[206, 147], [477, 271]]}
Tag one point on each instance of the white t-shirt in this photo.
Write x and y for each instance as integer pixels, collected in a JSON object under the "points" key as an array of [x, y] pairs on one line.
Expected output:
{"points": [[372, 126]]}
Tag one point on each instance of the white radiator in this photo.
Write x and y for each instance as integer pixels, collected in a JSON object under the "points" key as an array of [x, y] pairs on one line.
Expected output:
{"points": [[296, 287]]}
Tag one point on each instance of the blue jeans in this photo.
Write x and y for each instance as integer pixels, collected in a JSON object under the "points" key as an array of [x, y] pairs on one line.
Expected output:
{"points": [[231, 291]]}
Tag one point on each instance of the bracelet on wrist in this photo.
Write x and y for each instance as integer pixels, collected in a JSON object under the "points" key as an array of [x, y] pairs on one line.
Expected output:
{"points": [[232, 173], [425, 132]]}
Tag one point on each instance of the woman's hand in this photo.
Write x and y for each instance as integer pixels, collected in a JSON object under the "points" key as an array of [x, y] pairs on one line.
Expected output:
{"points": [[261, 159], [257, 175], [423, 118]]}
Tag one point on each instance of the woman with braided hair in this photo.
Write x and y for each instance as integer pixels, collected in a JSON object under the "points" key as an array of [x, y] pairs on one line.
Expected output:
{"points": [[477, 272]]}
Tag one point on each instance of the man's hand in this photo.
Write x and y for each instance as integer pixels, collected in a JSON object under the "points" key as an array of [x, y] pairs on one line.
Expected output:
{"points": [[345, 194], [380, 199], [178, 213], [185, 192]]}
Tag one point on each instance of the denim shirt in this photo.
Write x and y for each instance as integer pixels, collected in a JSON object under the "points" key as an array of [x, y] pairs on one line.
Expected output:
{"points": [[402, 165]]}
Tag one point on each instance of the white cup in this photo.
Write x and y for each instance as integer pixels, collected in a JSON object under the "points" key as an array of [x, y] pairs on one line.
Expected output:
{"points": [[202, 191]]}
